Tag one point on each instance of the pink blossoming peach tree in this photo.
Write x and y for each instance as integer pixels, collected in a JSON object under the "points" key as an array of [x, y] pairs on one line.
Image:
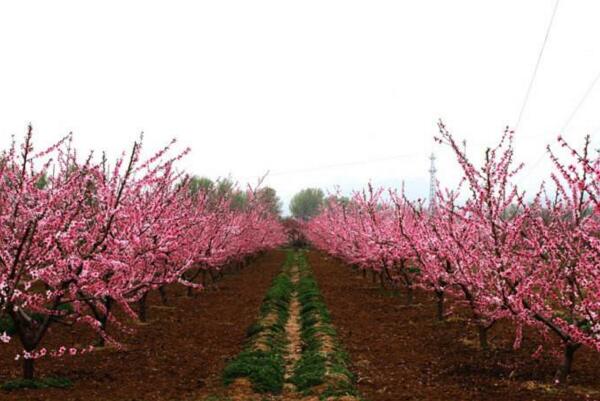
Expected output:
{"points": [[533, 260], [78, 239]]}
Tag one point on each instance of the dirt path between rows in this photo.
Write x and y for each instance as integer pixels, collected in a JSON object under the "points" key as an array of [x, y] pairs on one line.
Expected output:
{"points": [[241, 389], [180, 353], [401, 353], [292, 333]]}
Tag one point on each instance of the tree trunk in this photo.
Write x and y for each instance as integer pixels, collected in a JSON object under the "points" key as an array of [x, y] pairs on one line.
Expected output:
{"points": [[409, 295], [483, 337], [190, 290], [364, 273], [163, 294], [407, 283], [28, 368], [30, 337], [100, 342], [213, 279], [382, 280], [142, 307], [191, 277], [565, 368], [440, 305]]}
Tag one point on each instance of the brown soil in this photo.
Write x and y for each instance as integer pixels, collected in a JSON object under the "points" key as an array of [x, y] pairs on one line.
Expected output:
{"points": [[178, 355], [402, 353]]}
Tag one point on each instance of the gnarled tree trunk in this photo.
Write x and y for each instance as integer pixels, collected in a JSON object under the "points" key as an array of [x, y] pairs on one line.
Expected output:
{"points": [[564, 369], [439, 295]]}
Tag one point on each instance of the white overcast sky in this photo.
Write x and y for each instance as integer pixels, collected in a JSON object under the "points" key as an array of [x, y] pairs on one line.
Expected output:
{"points": [[292, 87]]}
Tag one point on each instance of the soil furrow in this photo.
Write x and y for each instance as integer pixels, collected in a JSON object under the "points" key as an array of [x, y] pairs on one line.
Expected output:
{"points": [[293, 336]]}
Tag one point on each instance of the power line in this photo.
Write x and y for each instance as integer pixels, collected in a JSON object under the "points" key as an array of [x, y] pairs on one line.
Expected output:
{"points": [[583, 99], [330, 166], [567, 122], [537, 66]]}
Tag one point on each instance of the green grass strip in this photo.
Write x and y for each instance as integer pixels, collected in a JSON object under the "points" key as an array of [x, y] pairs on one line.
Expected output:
{"points": [[266, 368], [316, 366]]}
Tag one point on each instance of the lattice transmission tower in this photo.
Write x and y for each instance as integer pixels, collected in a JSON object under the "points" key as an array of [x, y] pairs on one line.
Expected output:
{"points": [[432, 184]]}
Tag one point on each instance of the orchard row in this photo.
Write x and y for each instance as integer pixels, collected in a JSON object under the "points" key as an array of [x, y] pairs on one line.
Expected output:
{"points": [[533, 260], [79, 240]]}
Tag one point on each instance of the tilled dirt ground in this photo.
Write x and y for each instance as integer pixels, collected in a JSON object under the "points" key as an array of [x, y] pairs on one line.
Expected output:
{"points": [[401, 353], [178, 355], [398, 352]]}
